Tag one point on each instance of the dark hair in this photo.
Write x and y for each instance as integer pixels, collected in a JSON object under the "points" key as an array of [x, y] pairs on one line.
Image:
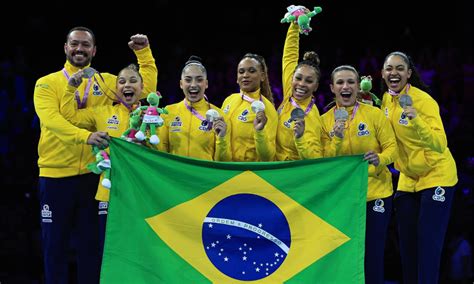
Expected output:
{"points": [[414, 79], [311, 58], [344, 68], [194, 60], [265, 88], [134, 68], [84, 29]]}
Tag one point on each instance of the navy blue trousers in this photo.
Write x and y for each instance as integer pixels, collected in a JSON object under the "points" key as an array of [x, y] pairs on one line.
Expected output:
{"points": [[69, 210], [422, 219], [377, 220]]}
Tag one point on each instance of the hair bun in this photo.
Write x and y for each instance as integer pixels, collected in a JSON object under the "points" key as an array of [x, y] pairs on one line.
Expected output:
{"points": [[194, 58], [311, 56]]}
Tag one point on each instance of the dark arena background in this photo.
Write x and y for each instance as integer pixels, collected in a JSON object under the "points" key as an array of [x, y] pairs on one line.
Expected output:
{"points": [[359, 33]]}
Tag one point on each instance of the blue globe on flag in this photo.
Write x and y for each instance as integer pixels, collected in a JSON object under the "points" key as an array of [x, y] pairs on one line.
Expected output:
{"points": [[246, 237]]}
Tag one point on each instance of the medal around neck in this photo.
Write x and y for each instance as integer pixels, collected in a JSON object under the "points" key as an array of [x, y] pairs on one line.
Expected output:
{"points": [[88, 72], [341, 114], [296, 114], [212, 115], [405, 100], [257, 106]]}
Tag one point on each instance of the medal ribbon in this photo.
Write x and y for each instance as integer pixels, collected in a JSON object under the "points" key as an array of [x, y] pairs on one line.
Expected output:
{"points": [[80, 104]]}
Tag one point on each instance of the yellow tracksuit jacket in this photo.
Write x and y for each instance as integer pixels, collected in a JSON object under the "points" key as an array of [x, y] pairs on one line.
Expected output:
{"points": [[186, 135], [108, 118], [309, 145], [247, 144], [60, 151], [368, 130], [111, 119], [424, 157]]}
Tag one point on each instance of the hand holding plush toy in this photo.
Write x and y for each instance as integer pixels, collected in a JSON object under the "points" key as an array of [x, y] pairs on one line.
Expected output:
{"points": [[367, 96], [101, 165], [302, 16], [151, 118]]}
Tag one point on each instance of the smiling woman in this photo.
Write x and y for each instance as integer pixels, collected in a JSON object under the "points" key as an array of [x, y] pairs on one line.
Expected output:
{"points": [[428, 172], [194, 127], [253, 134], [351, 128], [113, 120], [298, 138]]}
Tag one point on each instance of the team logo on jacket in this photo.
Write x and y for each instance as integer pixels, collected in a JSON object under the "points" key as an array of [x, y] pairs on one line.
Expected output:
{"points": [[362, 129], [378, 206], [96, 90], [205, 126], [175, 125], [403, 119], [243, 116], [113, 122], [226, 109], [287, 123], [439, 194], [46, 214], [103, 206]]}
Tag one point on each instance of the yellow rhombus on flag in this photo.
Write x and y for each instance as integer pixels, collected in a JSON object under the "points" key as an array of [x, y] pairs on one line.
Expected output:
{"points": [[179, 220]]}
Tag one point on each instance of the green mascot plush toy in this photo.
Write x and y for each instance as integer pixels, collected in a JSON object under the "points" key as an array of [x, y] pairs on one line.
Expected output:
{"points": [[151, 118], [101, 165], [134, 121], [302, 16], [366, 95]]}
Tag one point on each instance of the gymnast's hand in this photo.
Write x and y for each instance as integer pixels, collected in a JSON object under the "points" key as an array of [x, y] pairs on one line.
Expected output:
{"points": [[138, 42]]}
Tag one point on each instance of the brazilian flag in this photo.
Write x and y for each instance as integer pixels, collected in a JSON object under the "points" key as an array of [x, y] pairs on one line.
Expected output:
{"points": [[174, 219]]}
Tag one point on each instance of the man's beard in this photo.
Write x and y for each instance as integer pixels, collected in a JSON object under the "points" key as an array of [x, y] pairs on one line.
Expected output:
{"points": [[82, 64]]}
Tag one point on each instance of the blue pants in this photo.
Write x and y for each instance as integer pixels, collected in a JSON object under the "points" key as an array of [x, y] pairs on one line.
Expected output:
{"points": [[378, 218], [69, 210], [422, 223]]}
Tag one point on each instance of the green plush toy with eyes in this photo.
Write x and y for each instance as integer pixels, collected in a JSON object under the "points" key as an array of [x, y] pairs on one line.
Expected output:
{"points": [[101, 165], [302, 16], [366, 96], [134, 121], [151, 118]]}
